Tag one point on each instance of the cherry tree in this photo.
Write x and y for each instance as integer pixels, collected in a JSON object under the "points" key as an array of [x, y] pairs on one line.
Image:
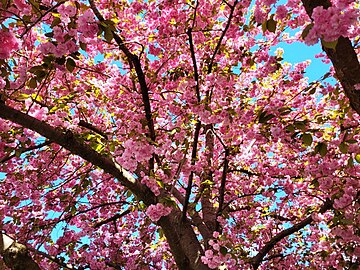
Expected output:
{"points": [[172, 134]]}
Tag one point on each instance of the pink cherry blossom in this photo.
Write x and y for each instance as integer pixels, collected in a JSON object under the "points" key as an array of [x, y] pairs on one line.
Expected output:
{"points": [[155, 212], [8, 43]]}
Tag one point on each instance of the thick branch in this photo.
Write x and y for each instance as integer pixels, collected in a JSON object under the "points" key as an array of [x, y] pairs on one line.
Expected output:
{"points": [[344, 59], [257, 260], [208, 211], [68, 140], [53, 259]]}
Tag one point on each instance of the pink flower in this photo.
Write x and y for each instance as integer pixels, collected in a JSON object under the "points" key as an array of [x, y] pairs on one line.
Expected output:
{"points": [[357, 86], [8, 43], [331, 23], [269, 2], [2, 83], [87, 24], [47, 48], [281, 12], [155, 212]]}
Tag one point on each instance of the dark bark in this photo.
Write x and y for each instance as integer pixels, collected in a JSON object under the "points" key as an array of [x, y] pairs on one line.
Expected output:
{"points": [[184, 245], [343, 58], [16, 255]]}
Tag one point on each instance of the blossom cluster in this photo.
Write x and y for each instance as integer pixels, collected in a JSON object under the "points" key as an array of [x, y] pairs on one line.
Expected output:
{"points": [[331, 23], [155, 212], [217, 255], [8, 43], [135, 151]]}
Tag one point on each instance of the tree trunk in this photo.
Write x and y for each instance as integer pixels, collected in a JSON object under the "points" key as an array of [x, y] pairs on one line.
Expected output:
{"points": [[16, 255], [183, 242]]}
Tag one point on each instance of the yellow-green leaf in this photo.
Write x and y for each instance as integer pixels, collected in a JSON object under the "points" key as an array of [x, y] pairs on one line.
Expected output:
{"points": [[108, 35], [357, 158], [22, 97], [306, 30], [329, 44]]}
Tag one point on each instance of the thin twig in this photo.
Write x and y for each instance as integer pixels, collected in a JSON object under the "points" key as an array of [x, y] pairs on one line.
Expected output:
{"points": [[113, 218], [222, 189], [23, 150], [193, 160]]}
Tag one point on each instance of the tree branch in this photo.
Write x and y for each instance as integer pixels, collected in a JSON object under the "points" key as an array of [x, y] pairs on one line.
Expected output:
{"points": [[232, 8], [23, 150], [69, 141], [87, 125], [113, 218], [208, 211], [52, 258], [135, 62], [192, 53], [222, 189], [343, 58], [193, 160], [257, 260]]}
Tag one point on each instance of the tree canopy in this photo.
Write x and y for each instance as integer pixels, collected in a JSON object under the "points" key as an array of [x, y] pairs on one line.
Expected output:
{"points": [[172, 134]]}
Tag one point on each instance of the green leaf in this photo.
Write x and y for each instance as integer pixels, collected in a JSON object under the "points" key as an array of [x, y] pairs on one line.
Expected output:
{"points": [[70, 64], [223, 250], [329, 44], [343, 147], [60, 61], [83, 46], [108, 35], [55, 22], [271, 25], [50, 34], [290, 128], [307, 139], [36, 69], [321, 148], [32, 83], [351, 141], [300, 125], [40, 75], [306, 30], [315, 183], [350, 162], [264, 117], [357, 158], [264, 26]]}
